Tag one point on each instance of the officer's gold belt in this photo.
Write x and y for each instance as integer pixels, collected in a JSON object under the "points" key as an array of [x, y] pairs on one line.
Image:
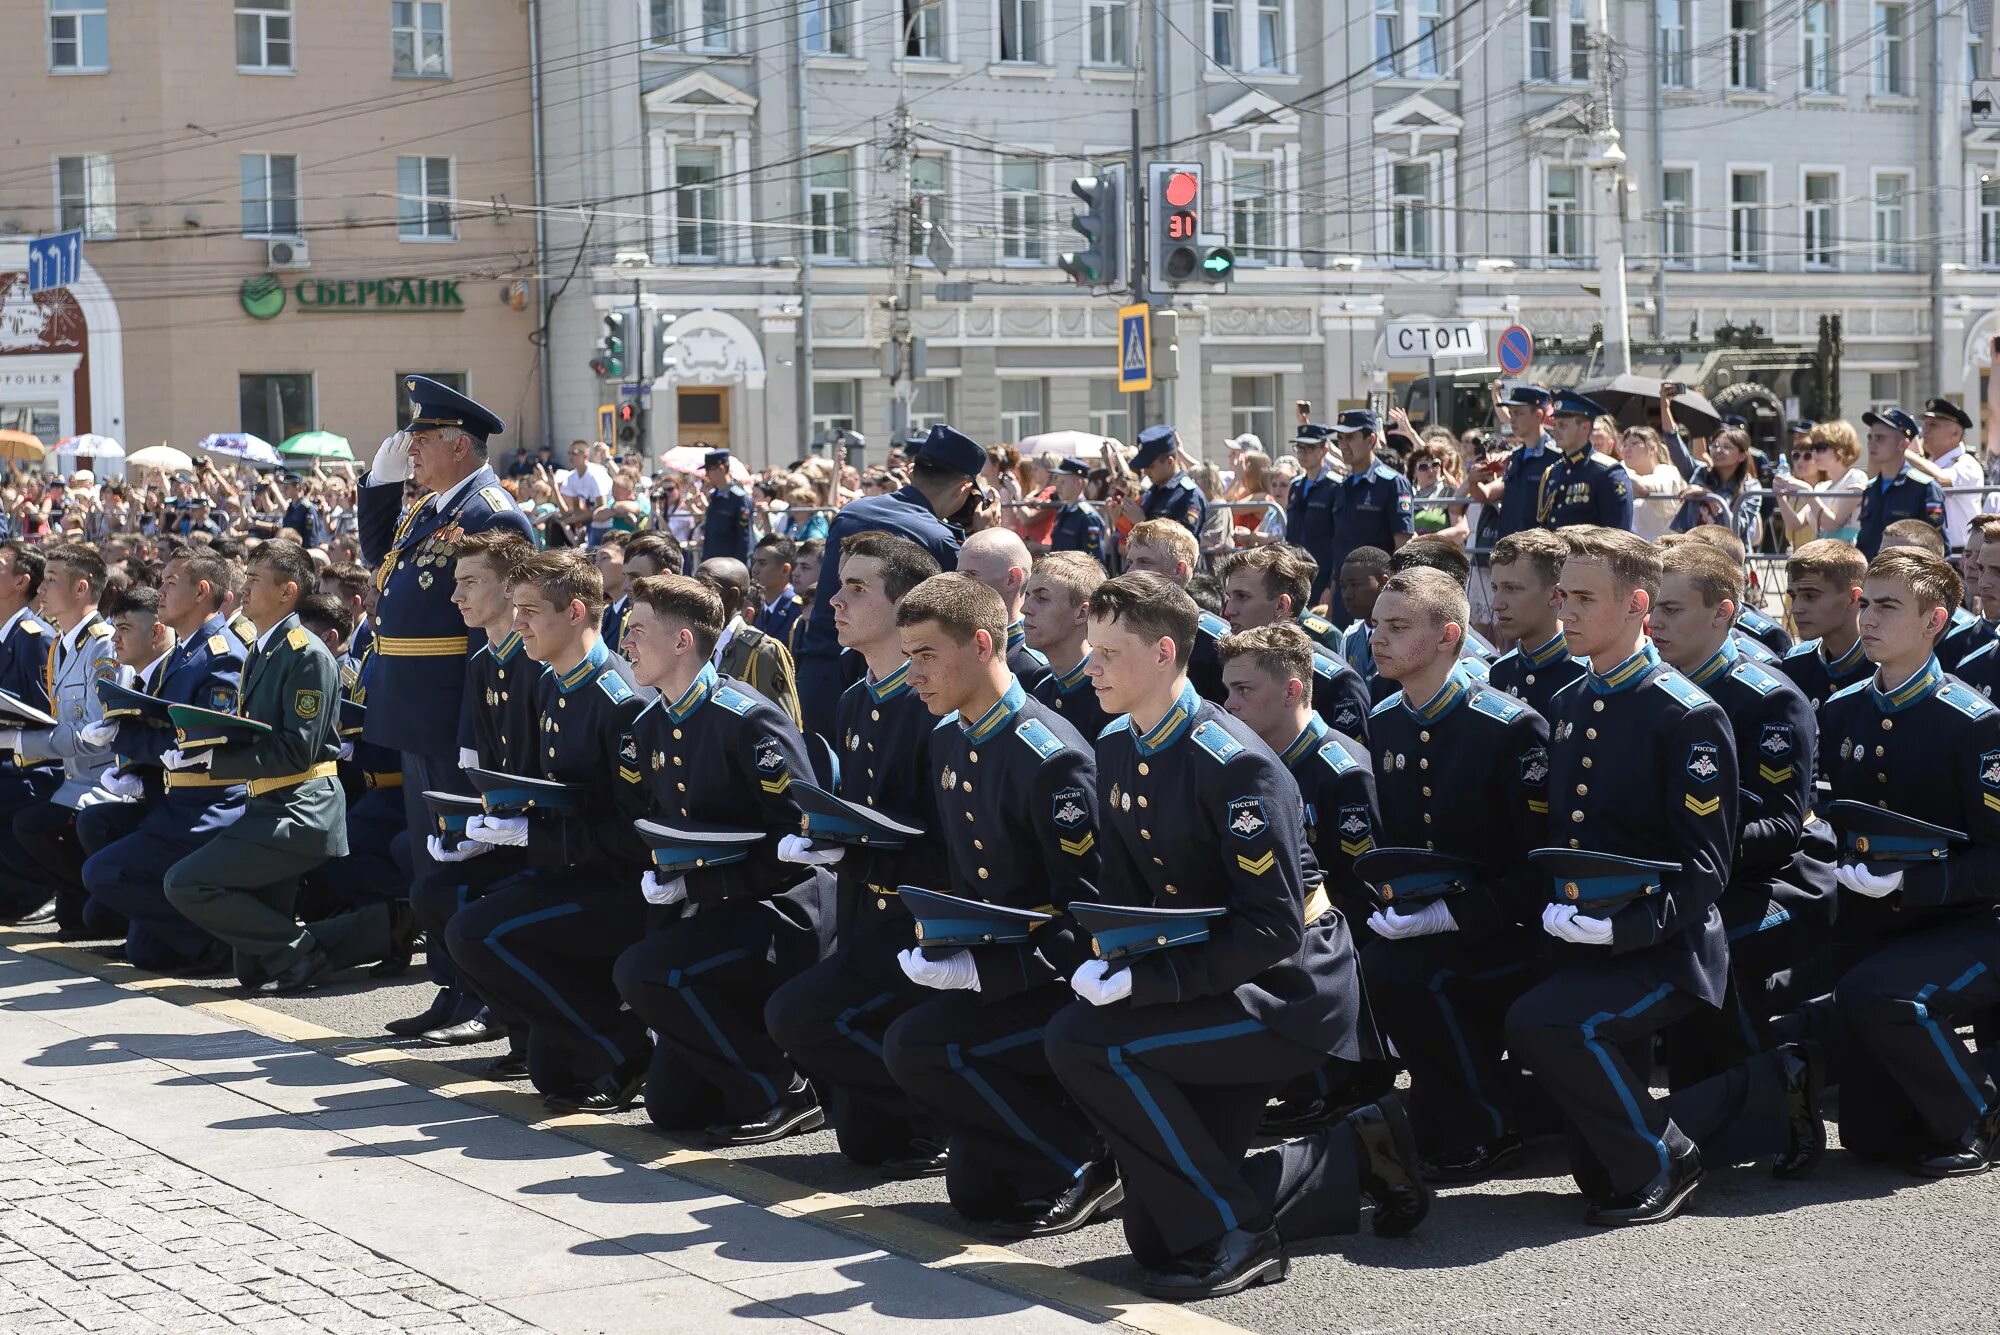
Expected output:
{"points": [[194, 778], [326, 769], [386, 779], [442, 646], [1317, 904]]}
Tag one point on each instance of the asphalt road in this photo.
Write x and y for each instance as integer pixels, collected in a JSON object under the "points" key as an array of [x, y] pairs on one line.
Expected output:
{"points": [[1858, 1248]]}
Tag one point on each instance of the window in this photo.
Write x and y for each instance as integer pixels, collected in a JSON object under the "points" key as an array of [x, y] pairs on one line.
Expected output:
{"points": [[1558, 40], [1746, 44], [923, 30], [84, 196], [1271, 34], [1890, 58], [1020, 409], [404, 409], [1108, 415], [1253, 406], [79, 36], [1822, 234], [1416, 21], [1430, 21], [276, 407], [416, 38], [1021, 32], [1250, 34], [1676, 217], [692, 25], [1410, 212], [1816, 55], [697, 203], [1562, 237], [423, 200], [930, 405], [927, 199], [833, 204], [1892, 221], [264, 35], [1252, 211], [1222, 33], [1975, 56], [829, 29], [1388, 34], [833, 407], [1676, 61], [1885, 390], [1020, 209], [1989, 222], [1110, 25], [270, 194], [1746, 220]]}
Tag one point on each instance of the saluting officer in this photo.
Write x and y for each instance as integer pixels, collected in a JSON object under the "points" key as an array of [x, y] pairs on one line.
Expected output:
{"points": [[1310, 504], [1823, 580], [1895, 489], [1078, 527], [726, 530], [1172, 493], [1583, 486], [1373, 507], [1526, 579]]}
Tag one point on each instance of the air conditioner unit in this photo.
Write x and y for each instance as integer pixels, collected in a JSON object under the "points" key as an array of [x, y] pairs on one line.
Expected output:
{"points": [[286, 253]]}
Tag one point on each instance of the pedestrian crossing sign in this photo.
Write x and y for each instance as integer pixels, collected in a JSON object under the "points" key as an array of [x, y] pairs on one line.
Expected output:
{"points": [[1135, 349]]}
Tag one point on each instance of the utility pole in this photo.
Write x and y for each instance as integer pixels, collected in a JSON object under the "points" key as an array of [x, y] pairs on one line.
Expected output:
{"points": [[1135, 196], [802, 342], [1607, 164], [902, 341]]}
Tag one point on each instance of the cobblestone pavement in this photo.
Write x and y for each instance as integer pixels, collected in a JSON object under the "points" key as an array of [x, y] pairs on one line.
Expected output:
{"points": [[100, 1233]]}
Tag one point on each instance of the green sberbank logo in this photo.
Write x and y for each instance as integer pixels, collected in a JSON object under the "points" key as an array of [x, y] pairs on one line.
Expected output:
{"points": [[263, 296]]}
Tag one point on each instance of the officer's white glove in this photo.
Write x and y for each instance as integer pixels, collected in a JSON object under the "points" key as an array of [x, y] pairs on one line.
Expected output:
{"points": [[392, 459], [1094, 985], [467, 850], [121, 785], [10, 739], [346, 751], [506, 831], [100, 733], [178, 759], [954, 973], [796, 848], [1565, 924], [1858, 878], [1429, 920], [468, 758], [673, 892]]}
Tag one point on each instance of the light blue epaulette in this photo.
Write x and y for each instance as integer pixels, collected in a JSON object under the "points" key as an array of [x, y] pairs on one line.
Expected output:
{"points": [[1337, 758], [496, 496], [1846, 691], [1479, 669], [1038, 737], [1965, 700], [734, 701], [1802, 648], [1120, 724], [1681, 689], [1392, 702], [1386, 473], [1496, 704], [1754, 619], [1754, 675], [1214, 625], [1213, 738], [614, 686]]}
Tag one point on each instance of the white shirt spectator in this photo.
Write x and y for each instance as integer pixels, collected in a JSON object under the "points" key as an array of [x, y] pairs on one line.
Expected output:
{"points": [[1964, 471], [591, 484]]}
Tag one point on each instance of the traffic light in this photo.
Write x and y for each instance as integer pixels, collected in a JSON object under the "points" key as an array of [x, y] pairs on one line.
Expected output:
{"points": [[610, 359], [628, 423], [1102, 223], [1178, 251], [662, 341]]}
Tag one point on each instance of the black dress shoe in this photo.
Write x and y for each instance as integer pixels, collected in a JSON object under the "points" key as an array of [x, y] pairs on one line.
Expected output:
{"points": [[441, 1009], [405, 930], [507, 1066], [1233, 1262], [1657, 1201], [1475, 1164], [38, 915], [1970, 1155], [1805, 1130], [1391, 1170], [1094, 1191], [921, 1158], [610, 1093], [797, 1112], [1295, 1116], [479, 1029], [303, 973], [115, 954]]}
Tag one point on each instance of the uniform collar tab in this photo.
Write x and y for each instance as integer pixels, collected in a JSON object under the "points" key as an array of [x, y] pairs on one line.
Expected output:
{"points": [[1556, 646], [509, 645], [892, 685], [1457, 685], [1017, 634], [1917, 688], [585, 670], [1627, 674], [1076, 676], [1173, 725], [1847, 661], [697, 693], [1716, 663], [1316, 728], [999, 716]]}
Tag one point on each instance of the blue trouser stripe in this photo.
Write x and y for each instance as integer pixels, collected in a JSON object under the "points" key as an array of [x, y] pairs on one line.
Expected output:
{"points": [[1948, 1048], [1777, 917], [1115, 1056], [722, 1045], [1450, 1013], [1611, 1072], [843, 1024], [541, 984], [999, 1104]]}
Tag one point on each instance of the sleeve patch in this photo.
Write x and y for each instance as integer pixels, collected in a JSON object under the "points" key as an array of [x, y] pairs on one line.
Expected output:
{"points": [[1069, 808], [1535, 767], [1989, 769], [1038, 737], [1703, 765], [1213, 738], [1776, 740], [222, 699], [1246, 817], [1356, 831], [1346, 717]]}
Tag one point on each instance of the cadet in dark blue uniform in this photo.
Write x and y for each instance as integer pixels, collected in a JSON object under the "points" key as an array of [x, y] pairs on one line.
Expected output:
{"points": [[1055, 610], [1264, 586], [27, 648], [832, 1018], [1895, 490], [1526, 575], [777, 604], [726, 530], [1526, 409], [1172, 1052], [1172, 493], [1462, 771], [944, 470], [1918, 936], [1078, 527], [1583, 486], [1823, 579], [1310, 504], [719, 938], [997, 558], [1373, 507]]}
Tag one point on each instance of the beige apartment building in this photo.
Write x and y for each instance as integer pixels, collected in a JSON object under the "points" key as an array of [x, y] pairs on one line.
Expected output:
{"points": [[286, 205]]}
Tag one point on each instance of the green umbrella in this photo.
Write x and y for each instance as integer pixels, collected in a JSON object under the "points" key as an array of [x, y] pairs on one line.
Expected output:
{"points": [[317, 445]]}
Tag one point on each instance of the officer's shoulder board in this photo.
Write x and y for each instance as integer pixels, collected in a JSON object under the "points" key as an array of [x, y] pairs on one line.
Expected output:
{"points": [[298, 637], [728, 697], [1386, 473], [31, 626], [614, 686], [218, 643], [1336, 757], [497, 497], [1038, 737], [1855, 689], [1213, 738], [1801, 649], [1987, 650], [1315, 624], [1211, 624], [1754, 619], [1122, 723], [1965, 700], [1755, 675], [1681, 689], [1394, 701], [1325, 664], [100, 630], [1496, 705]]}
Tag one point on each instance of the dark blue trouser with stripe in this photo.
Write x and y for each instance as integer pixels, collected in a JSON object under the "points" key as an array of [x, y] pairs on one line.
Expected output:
{"points": [[440, 890], [833, 1019]]}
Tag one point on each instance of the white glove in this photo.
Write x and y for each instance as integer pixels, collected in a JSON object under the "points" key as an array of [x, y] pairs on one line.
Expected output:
{"points": [[178, 759], [10, 739], [465, 852], [1092, 983], [954, 973], [673, 892], [796, 848], [468, 758], [1858, 878], [506, 831], [121, 785], [1429, 920], [100, 733], [1562, 922], [346, 751], [392, 459]]}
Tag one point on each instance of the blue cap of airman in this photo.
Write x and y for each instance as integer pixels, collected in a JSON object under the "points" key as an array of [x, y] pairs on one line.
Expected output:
{"points": [[1526, 396], [1894, 418], [944, 920], [436, 405], [715, 459], [1356, 420], [1074, 467], [1155, 443], [1569, 403], [1313, 433], [951, 448], [1869, 833]]}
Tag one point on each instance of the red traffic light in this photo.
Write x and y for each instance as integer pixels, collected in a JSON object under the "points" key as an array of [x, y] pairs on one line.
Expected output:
{"points": [[1182, 187], [626, 412]]}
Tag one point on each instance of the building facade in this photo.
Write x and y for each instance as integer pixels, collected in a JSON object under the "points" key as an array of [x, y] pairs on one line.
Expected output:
{"points": [[285, 207]]}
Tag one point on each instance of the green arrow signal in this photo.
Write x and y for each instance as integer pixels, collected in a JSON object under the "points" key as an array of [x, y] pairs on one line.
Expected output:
{"points": [[1218, 262]]}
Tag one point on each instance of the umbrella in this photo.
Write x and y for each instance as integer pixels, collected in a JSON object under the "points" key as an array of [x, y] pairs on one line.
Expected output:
{"points": [[317, 445], [88, 446], [1065, 444], [687, 459], [165, 458], [241, 446], [22, 447], [1635, 401]]}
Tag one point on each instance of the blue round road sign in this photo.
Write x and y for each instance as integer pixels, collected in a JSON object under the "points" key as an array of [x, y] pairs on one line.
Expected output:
{"points": [[1517, 349]]}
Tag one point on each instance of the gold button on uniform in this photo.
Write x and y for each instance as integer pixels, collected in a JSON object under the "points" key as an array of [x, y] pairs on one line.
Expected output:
{"points": [[1144, 768], [1427, 790], [1587, 762], [1172, 890], [979, 844], [1887, 724], [875, 714], [973, 756], [1423, 736], [982, 873], [677, 734], [1591, 733], [1583, 790], [1142, 800], [1576, 816], [1597, 706]]}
